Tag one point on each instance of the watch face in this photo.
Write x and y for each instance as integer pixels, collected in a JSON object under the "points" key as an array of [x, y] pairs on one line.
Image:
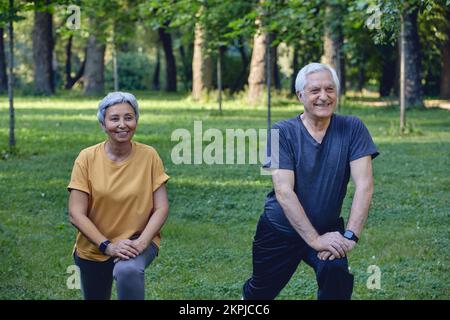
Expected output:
{"points": [[348, 234]]}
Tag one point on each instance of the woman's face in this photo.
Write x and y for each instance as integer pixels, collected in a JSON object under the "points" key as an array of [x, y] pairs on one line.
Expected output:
{"points": [[120, 122]]}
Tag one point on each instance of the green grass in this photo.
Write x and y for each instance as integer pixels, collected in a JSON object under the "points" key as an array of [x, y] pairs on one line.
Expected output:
{"points": [[206, 246]]}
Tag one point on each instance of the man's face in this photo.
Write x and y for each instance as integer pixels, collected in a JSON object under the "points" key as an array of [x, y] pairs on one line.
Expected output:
{"points": [[320, 95]]}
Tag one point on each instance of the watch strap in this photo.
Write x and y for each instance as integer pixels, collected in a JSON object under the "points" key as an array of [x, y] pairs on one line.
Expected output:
{"points": [[102, 247]]}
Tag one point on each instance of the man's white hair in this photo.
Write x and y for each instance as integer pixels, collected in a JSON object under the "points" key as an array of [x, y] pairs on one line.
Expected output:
{"points": [[300, 81]]}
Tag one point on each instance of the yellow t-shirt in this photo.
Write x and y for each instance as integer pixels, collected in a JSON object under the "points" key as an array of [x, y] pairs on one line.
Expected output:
{"points": [[120, 193]]}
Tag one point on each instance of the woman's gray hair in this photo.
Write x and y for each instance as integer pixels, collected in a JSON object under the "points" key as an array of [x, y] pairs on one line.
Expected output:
{"points": [[114, 98], [300, 81]]}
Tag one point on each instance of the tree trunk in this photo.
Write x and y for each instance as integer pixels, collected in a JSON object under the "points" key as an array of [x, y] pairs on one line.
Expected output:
{"points": [[3, 75], [201, 66], [12, 139], [361, 79], [397, 67], [171, 70], [94, 81], [156, 84], [219, 78], [333, 43], [70, 81], [445, 73], [274, 65], [413, 86], [256, 78], [402, 44], [388, 70], [43, 53], [187, 69], [295, 67], [240, 82]]}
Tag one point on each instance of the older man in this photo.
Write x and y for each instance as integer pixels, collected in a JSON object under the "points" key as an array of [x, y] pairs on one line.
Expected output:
{"points": [[318, 151]]}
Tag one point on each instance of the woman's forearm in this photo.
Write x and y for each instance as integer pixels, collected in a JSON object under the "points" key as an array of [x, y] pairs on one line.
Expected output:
{"points": [[78, 206], [154, 224], [87, 228]]}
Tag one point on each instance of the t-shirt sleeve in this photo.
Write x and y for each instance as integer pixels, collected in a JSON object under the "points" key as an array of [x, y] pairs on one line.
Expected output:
{"points": [[361, 144], [158, 175], [280, 149], [79, 179]]}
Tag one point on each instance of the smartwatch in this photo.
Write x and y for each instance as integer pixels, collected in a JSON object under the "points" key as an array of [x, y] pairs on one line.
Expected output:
{"points": [[350, 235], [102, 247]]}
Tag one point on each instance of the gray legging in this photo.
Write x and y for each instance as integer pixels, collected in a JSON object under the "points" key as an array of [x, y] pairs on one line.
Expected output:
{"points": [[96, 277]]}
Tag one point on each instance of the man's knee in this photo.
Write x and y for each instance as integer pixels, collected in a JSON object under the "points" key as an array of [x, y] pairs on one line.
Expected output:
{"points": [[334, 280], [262, 290], [334, 266]]}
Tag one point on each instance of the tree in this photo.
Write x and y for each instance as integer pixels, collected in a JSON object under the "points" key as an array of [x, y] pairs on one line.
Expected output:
{"points": [[100, 29], [243, 74], [274, 69], [410, 55], [214, 18], [201, 64], [3, 75], [9, 14], [333, 40], [388, 69], [305, 38], [256, 78], [11, 18], [162, 16], [43, 48], [445, 74], [155, 80], [399, 20], [94, 79], [70, 81], [171, 69]]}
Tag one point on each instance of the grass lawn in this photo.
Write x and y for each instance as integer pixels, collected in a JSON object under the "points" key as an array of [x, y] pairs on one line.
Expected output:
{"points": [[206, 246]]}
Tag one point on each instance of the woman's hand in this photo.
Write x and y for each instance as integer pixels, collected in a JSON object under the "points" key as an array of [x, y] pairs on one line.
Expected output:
{"points": [[139, 245], [122, 249], [134, 247]]}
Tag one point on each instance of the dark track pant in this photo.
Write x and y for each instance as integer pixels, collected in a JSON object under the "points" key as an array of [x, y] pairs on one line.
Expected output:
{"points": [[275, 259], [97, 277]]}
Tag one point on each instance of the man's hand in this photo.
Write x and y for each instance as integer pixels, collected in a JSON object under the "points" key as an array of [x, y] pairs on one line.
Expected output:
{"points": [[327, 255], [333, 242]]}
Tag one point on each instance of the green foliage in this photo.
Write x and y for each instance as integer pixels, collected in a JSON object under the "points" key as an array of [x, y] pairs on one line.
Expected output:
{"points": [[134, 72]]}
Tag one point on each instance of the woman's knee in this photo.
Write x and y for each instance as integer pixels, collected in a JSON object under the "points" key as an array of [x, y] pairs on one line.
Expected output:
{"points": [[127, 269]]}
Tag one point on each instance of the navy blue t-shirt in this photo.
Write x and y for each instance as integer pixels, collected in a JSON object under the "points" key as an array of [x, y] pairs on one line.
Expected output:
{"points": [[321, 170]]}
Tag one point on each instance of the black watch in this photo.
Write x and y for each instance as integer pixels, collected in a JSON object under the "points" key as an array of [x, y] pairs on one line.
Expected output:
{"points": [[102, 247], [350, 235]]}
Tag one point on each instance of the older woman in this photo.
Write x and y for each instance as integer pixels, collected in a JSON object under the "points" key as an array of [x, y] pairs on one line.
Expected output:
{"points": [[118, 202]]}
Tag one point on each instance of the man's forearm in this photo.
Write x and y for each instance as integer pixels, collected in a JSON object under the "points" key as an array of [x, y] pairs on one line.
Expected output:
{"points": [[360, 208], [296, 216]]}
